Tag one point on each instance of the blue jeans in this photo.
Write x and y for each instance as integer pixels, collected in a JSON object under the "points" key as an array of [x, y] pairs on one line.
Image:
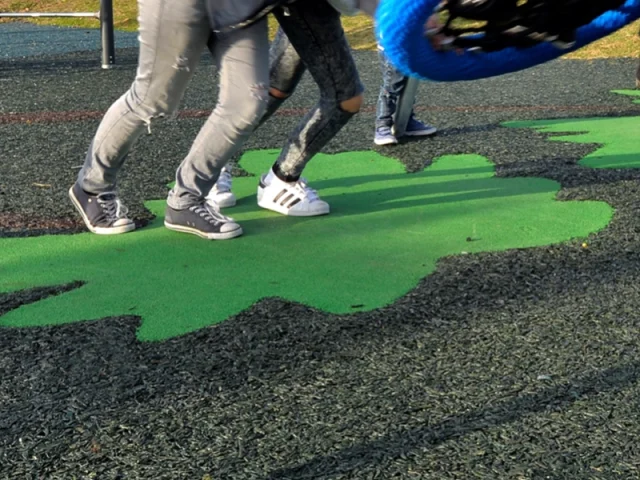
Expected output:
{"points": [[393, 83]]}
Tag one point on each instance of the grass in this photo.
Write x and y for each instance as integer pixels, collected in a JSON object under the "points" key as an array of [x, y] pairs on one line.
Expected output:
{"points": [[623, 43]]}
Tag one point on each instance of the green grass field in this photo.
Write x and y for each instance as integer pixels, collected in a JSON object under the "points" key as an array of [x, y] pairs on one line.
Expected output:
{"points": [[624, 43]]}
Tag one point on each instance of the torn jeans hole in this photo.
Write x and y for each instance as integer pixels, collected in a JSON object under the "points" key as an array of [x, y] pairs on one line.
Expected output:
{"points": [[148, 119], [259, 91], [182, 64]]}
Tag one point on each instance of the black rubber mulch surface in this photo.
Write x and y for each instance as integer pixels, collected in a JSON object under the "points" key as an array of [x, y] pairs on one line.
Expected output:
{"points": [[516, 365]]}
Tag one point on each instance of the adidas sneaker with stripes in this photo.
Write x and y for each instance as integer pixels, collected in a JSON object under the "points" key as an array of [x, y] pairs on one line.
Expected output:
{"points": [[295, 199]]}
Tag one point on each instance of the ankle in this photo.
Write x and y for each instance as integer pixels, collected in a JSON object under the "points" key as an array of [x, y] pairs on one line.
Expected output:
{"points": [[276, 171]]}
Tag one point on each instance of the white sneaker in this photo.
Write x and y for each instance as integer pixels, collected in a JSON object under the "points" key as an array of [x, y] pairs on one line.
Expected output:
{"points": [[221, 194], [294, 199]]}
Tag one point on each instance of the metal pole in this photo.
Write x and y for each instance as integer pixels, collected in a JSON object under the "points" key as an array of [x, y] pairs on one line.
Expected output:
{"points": [[405, 106], [106, 33]]}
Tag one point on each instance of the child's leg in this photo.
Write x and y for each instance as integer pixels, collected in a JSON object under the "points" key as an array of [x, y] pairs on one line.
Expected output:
{"points": [[394, 86], [172, 35], [243, 62], [314, 29], [393, 83], [285, 72]]}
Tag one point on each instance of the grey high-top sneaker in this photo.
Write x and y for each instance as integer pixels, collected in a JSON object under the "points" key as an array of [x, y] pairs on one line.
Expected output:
{"points": [[103, 214], [204, 220]]}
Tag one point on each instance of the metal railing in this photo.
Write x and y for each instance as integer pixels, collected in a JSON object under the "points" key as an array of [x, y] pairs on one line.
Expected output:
{"points": [[105, 16]]}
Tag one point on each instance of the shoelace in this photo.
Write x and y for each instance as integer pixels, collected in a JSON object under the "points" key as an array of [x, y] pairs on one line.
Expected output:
{"points": [[307, 192], [224, 182], [210, 213], [111, 206]]}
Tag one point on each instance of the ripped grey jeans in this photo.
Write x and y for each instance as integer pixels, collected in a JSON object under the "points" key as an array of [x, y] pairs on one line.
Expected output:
{"points": [[172, 36], [311, 38], [314, 30]]}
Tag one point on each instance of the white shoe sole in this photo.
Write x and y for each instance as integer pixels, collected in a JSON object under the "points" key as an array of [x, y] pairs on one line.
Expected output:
{"points": [[289, 213], [276, 207], [99, 230], [387, 141], [208, 236]]}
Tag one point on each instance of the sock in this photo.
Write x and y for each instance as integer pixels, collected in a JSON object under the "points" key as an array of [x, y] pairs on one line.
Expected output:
{"points": [[276, 171], [270, 176]]}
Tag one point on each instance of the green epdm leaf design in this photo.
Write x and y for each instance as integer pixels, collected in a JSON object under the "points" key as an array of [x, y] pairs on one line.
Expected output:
{"points": [[386, 231]]}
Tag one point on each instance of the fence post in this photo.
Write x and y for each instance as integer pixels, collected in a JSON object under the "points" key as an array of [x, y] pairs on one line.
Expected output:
{"points": [[106, 33]]}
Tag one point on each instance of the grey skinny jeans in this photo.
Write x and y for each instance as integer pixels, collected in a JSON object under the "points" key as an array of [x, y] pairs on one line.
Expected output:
{"points": [[172, 36], [311, 38]]}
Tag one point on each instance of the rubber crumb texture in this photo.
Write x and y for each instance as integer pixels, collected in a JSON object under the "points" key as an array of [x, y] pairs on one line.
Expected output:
{"points": [[515, 365]]}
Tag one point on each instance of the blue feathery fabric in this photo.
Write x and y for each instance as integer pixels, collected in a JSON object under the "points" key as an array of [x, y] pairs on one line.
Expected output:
{"points": [[400, 32]]}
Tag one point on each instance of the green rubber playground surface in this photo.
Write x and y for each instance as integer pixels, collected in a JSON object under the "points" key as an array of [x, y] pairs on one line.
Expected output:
{"points": [[618, 137], [387, 231]]}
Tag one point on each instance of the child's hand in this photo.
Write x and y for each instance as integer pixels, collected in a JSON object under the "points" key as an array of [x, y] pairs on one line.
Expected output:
{"points": [[432, 31]]}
